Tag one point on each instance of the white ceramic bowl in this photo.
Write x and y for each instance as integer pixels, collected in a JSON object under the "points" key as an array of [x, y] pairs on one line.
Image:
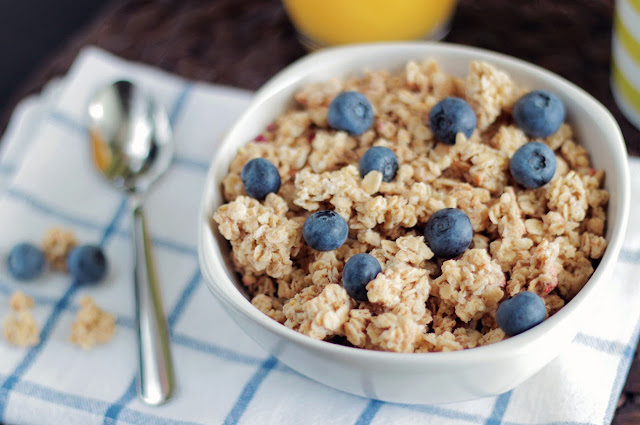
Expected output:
{"points": [[424, 377]]}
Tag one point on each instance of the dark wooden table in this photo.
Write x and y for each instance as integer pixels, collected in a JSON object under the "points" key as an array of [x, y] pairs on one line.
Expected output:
{"points": [[244, 42]]}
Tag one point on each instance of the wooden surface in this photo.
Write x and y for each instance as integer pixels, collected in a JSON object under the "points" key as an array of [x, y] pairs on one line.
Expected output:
{"points": [[244, 42]]}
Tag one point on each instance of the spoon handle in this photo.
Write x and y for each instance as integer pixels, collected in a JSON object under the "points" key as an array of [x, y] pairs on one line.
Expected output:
{"points": [[156, 379]]}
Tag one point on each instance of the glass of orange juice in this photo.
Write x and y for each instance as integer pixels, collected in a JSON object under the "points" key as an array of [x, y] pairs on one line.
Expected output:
{"points": [[323, 23]]}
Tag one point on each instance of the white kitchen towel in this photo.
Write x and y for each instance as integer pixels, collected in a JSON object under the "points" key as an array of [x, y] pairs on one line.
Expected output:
{"points": [[223, 376]]}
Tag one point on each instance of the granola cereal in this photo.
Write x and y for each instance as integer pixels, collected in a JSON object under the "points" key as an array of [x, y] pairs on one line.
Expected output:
{"points": [[20, 328], [546, 240], [20, 301], [56, 245], [92, 326]]}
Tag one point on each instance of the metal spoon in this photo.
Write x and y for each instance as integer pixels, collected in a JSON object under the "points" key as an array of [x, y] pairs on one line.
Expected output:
{"points": [[132, 147]]}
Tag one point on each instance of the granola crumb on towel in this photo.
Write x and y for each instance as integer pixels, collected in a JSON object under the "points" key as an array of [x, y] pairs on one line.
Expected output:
{"points": [[57, 245], [92, 325], [20, 328]]}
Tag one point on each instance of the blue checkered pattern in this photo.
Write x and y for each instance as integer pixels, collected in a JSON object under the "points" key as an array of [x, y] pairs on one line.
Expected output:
{"points": [[223, 376]]}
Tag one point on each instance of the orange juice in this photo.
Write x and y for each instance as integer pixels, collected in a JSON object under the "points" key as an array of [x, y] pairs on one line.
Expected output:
{"points": [[331, 22]]}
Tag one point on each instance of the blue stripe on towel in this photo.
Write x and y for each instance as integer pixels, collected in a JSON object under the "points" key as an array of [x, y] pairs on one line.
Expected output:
{"points": [[249, 391], [369, 412], [499, 408], [43, 208], [621, 373]]}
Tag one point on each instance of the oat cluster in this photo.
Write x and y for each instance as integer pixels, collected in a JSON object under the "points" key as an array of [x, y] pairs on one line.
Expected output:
{"points": [[92, 325], [545, 240], [20, 328], [56, 245]]}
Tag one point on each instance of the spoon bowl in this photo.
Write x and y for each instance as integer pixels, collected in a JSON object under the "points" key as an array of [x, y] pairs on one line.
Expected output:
{"points": [[130, 135]]}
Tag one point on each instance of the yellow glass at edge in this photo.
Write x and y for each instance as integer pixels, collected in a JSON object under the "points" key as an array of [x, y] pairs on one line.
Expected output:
{"points": [[332, 22]]}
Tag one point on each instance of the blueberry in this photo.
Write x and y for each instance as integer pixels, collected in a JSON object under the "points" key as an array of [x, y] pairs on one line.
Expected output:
{"points": [[325, 230], [381, 159], [533, 165], [260, 178], [521, 312], [350, 111], [25, 261], [539, 113], [87, 264], [451, 116], [359, 270], [448, 232]]}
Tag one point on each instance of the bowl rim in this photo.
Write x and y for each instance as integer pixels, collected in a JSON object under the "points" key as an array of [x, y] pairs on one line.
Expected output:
{"points": [[293, 74]]}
